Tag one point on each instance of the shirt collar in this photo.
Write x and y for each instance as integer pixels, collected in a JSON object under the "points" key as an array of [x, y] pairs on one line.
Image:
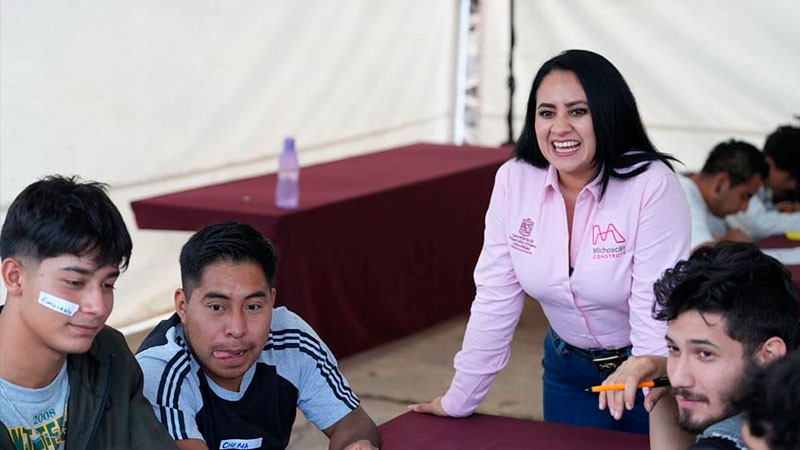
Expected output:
{"points": [[551, 181]]}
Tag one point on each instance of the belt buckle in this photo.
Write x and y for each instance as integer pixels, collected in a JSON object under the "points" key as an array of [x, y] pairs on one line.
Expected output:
{"points": [[608, 363]]}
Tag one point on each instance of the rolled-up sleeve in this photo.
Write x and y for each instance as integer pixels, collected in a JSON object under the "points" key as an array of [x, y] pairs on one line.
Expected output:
{"points": [[494, 314], [662, 239]]}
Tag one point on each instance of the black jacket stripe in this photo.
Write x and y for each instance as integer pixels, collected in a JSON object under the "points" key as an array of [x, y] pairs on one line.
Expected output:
{"points": [[178, 383], [320, 355], [329, 366], [162, 385], [171, 388], [165, 391], [344, 397]]}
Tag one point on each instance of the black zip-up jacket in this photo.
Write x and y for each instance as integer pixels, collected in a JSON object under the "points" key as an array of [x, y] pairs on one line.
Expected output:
{"points": [[106, 407]]}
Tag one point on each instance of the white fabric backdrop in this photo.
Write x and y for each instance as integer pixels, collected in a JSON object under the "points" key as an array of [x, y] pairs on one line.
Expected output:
{"points": [[702, 71], [152, 96]]}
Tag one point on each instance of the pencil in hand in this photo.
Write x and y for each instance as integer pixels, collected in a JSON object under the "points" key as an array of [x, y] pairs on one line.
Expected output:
{"points": [[658, 382]]}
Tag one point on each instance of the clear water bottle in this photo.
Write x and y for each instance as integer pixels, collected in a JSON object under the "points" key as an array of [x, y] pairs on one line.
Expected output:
{"points": [[287, 193]]}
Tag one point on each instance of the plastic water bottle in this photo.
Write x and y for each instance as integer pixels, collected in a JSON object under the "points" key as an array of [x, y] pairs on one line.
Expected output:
{"points": [[287, 193]]}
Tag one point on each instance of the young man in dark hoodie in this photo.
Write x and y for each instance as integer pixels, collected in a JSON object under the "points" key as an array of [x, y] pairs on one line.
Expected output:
{"points": [[67, 381]]}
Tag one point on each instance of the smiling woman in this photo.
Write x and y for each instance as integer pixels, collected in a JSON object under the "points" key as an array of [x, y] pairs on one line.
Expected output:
{"points": [[564, 129], [602, 215]]}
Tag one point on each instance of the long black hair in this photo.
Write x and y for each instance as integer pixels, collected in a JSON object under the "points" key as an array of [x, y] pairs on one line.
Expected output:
{"points": [[622, 141]]}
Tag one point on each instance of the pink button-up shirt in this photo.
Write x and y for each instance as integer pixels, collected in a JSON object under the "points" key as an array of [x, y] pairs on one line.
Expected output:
{"points": [[619, 247]]}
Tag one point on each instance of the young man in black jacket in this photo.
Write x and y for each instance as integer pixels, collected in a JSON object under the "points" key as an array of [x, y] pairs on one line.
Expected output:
{"points": [[66, 380]]}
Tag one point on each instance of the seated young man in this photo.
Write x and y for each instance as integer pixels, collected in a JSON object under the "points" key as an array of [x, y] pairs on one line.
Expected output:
{"points": [[774, 209], [771, 402], [66, 380], [228, 370], [733, 172], [728, 308]]}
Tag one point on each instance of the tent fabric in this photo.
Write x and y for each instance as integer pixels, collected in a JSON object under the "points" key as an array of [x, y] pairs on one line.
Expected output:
{"points": [[701, 71], [156, 96]]}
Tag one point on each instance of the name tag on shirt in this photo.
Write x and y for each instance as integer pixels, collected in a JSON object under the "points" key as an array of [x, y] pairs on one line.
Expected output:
{"points": [[240, 443]]}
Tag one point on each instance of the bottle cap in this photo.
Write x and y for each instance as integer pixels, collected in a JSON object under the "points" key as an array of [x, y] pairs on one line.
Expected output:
{"points": [[288, 143]]}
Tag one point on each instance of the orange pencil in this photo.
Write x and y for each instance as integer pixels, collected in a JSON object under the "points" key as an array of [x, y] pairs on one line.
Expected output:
{"points": [[658, 382]]}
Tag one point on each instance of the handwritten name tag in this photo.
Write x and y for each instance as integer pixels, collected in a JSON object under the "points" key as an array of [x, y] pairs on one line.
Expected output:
{"points": [[57, 304], [240, 443]]}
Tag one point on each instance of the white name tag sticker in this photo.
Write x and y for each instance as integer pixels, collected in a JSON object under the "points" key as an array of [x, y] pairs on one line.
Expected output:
{"points": [[240, 443], [57, 304]]}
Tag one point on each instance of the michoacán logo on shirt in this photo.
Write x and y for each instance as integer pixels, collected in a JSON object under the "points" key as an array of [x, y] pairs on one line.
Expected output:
{"points": [[611, 235], [522, 239]]}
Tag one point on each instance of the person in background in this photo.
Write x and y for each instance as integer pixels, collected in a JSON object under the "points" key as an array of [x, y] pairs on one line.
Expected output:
{"points": [[775, 208], [584, 218], [771, 403], [732, 173], [66, 379], [728, 308], [229, 371]]}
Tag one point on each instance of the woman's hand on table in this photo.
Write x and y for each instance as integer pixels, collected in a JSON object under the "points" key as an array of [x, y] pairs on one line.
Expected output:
{"points": [[434, 407], [630, 373]]}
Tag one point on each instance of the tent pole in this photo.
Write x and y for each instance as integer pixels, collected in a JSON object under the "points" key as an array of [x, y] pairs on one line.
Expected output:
{"points": [[511, 83], [461, 73]]}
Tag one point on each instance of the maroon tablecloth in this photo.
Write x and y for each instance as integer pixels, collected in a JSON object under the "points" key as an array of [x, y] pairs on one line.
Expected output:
{"points": [[780, 241], [382, 245], [413, 431]]}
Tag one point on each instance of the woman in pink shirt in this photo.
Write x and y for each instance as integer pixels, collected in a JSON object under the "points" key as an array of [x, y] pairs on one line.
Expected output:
{"points": [[584, 219]]}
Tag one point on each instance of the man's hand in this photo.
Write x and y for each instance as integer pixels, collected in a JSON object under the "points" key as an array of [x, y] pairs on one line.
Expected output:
{"points": [[633, 371], [654, 396], [665, 433], [361, 445], [434, 407]]}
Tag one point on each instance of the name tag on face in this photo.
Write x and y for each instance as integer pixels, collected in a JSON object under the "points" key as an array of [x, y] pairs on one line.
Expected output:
{"points": [[240, 443], [57, 304]]}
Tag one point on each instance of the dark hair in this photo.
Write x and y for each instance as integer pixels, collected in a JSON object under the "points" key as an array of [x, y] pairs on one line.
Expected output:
{"points": [[740, 160], [60, 215], [622, 141], [771, 400], [227, 241], [752, 291], [783, 146]]}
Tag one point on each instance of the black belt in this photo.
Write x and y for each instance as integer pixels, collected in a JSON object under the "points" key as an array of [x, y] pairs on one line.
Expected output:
{"points": [[603, 360]]}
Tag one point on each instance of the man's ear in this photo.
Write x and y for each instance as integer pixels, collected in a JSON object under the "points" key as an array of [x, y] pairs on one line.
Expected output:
{"points": [[770, 162], [721, 182], [14, 275], [181, 304], [773, 349], [272, 293]]}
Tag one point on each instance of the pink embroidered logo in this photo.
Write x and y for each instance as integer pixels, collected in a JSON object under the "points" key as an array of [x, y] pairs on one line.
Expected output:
{"points": [[610, 229], [526, 227]]}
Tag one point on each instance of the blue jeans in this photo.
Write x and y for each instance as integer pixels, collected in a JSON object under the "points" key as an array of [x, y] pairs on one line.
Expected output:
{"points": [[566, 375]]}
